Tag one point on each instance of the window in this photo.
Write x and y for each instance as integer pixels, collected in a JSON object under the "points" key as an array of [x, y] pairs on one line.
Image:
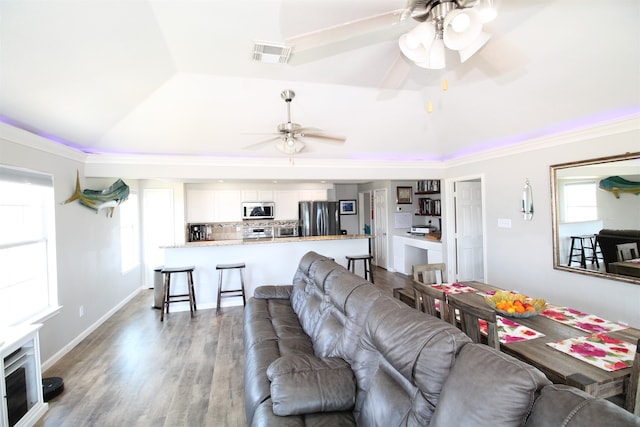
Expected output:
{"points": [[580, 201], [28, 285], [129, 239]]}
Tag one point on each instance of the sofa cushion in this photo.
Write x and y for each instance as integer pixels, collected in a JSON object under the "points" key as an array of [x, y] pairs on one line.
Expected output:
{"points": [[562, 405], [402, 361], [273, 292], [487, 388], [304, 384]]}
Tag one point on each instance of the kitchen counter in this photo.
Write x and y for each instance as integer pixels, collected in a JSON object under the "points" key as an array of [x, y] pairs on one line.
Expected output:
{"points": [[206, 243], [268, 261]]}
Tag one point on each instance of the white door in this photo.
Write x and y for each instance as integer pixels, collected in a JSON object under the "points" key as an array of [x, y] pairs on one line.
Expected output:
{"points": [[158, 228], [469, 235], [380, 228]]}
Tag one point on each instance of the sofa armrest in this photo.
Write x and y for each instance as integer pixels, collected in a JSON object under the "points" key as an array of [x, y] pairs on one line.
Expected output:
{"points": [[273, 292], [305, 384]]}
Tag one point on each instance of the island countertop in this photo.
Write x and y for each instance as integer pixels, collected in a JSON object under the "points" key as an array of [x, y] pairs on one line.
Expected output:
{"points": [[268, 262], [208, 243]]}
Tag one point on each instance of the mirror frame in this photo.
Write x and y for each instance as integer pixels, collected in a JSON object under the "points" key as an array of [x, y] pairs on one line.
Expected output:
{"points": [[555, 224]]}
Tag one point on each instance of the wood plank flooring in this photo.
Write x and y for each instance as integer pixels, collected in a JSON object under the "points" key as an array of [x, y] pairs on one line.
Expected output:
{"points": [[137, 371]]}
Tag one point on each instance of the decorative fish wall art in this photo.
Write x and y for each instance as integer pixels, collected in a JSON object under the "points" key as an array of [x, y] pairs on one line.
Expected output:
{"points": [[617, 185], [108, 198]]}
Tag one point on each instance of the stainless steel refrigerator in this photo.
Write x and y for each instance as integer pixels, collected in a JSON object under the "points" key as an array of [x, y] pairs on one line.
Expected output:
{"points": [[319, 218]]}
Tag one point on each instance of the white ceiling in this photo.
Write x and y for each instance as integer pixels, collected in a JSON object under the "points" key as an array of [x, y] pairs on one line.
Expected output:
{"points": [[177, 77]]}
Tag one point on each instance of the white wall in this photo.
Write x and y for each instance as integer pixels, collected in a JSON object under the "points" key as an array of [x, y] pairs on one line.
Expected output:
{"points": [[88, 245], [521, 257]]}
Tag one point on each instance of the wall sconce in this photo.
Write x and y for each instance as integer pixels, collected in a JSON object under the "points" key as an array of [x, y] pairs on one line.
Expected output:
{"points": [[527, 202]]}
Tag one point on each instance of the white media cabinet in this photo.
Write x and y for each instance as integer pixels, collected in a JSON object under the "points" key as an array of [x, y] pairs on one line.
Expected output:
{"points": [[20, 358]]}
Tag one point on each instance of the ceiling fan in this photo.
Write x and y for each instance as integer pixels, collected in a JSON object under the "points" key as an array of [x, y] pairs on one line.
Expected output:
{"points": [[288, 137], [454, 24]]}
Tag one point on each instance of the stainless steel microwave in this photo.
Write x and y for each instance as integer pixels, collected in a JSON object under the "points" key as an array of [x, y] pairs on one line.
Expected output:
{"points": [[258, 210]]}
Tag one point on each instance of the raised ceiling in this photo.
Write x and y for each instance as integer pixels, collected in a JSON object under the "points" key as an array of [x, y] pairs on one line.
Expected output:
{"points": [[177, 77]]}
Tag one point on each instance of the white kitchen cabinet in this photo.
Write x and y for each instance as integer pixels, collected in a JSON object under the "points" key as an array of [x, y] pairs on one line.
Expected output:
{"points": [[315, 195], [213, 206], [227, 206], [200, 205], [258, 195], [286, 204], [20, 364]]}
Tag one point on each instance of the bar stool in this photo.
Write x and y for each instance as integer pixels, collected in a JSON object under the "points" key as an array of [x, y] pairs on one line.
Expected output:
{"points": [[351, 264], [230, 292], [577, 250], [171, 298]]}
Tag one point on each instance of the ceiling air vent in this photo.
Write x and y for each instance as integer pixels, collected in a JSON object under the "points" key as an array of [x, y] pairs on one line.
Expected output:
{"points": [[271, 53]]}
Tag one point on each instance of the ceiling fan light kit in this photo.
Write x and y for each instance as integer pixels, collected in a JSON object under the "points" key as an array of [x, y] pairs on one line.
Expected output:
{"points": [[455, 24], [286, 139]]}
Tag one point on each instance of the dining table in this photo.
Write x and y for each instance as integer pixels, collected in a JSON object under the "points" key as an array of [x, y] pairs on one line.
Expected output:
{"points": [[541, 350], [629, 267]]}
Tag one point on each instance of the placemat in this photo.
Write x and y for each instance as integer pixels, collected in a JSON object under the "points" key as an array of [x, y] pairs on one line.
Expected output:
{"points": [[454, 288], [600, 350], [510, 331], [583, 321]]}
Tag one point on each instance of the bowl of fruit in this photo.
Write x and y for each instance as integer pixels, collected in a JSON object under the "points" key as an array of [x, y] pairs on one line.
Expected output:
{"points": [[515, 305]]}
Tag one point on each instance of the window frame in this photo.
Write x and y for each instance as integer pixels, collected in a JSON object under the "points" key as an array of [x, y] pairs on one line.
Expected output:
{"points": [[46, 235]]}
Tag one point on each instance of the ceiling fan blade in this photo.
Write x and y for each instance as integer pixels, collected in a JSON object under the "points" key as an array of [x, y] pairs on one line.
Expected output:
{"points": [[258, 144], [345, 31], [396, 74], [323, 136]]}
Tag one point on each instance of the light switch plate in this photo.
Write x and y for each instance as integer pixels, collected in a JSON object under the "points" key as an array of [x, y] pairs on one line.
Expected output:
{"points": [[504, 222]]}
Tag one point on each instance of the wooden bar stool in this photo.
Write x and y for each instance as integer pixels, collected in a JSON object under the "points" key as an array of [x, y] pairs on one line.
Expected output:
{"points": [[230, 292], [579, 247], [169, 298], [351, 263]]}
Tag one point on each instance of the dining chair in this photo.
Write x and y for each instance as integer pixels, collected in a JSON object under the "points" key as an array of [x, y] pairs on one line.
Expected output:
{"points": [[422, 273], [627, 251], [632, 401], [470, 316], [431, 301], [428, 273]]}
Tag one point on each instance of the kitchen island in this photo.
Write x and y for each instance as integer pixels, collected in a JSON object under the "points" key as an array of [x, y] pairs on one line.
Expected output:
{"points": [[268, 261]]}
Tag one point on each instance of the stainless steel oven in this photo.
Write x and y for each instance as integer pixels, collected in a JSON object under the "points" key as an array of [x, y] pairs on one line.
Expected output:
{"points": [[287, 231]]}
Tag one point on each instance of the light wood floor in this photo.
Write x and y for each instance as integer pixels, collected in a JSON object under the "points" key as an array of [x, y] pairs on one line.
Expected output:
{"points": [[136, 371]]}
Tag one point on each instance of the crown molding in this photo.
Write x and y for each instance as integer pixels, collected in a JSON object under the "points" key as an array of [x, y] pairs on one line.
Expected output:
{"points": [[627, 124], [31, 140]]}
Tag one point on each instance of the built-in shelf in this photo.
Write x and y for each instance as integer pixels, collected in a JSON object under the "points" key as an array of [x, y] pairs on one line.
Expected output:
{"points": [[429, 206]]}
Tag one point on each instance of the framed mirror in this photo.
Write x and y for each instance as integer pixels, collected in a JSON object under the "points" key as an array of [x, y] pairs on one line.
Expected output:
{"points": [[596, 217]]}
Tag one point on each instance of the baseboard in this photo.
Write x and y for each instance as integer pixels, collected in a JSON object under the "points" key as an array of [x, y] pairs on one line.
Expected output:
{"points": [[67, 348]]}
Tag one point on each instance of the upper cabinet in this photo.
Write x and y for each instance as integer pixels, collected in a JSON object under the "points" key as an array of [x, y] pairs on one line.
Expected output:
{"points": [[213, 206], [205, 205], [258, 195]]}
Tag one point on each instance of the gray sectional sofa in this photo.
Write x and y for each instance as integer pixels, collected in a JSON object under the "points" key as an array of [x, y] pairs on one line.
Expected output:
{"points": [[332, 350]]}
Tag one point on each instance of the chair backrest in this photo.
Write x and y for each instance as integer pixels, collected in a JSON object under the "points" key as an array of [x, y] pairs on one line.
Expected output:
{"points": [[627, 251], [470, 316], [632, 403], [431, 301], [428, 273]]}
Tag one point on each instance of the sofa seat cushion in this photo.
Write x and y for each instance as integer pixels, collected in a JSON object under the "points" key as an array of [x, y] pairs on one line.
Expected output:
{"points": [[488, 388], [304, 384], [271, 330], [264, 417], [562, 405]]}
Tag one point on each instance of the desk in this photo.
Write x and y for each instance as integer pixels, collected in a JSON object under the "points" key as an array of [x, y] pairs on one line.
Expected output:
{"points": [[557, 366], [626, 268]]}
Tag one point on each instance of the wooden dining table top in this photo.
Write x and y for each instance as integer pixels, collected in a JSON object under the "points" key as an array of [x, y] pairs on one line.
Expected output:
{"points": [[558, 366]]}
